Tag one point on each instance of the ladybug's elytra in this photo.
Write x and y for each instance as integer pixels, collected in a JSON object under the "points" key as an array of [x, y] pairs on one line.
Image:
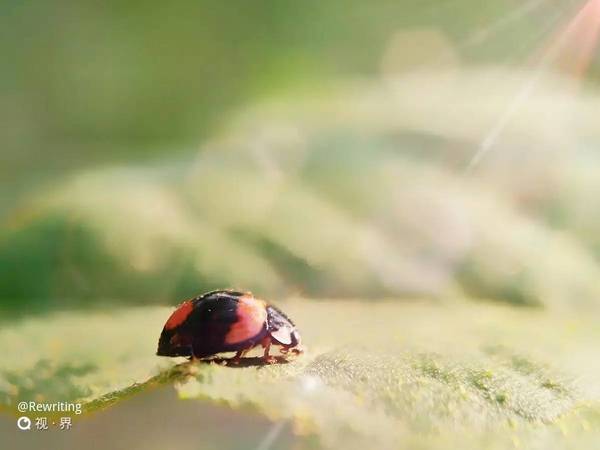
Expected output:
{"points": [[227, 321]]}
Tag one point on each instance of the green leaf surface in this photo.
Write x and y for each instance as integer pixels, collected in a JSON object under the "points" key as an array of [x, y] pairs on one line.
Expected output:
{"points": [[373, 375]]}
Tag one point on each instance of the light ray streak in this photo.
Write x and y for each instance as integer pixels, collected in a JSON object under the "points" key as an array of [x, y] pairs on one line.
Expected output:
{"points": [[527, 88], [271, 436], [482, 34]]}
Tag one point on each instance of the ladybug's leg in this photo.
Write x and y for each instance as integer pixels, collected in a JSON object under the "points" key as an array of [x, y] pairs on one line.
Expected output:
{"points": [[193, 358], [266, 343], [239, 355], [297, 350]]}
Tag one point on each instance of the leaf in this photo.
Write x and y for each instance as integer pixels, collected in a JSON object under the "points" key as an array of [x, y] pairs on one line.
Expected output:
{"points": [[374, 375]]}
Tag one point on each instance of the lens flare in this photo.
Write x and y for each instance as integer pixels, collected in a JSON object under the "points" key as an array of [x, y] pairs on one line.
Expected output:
{"points": [[572, 50], [579, 40]]}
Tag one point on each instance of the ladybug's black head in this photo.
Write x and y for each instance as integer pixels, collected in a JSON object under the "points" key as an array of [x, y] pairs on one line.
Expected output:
{"points": [[281, 329]]}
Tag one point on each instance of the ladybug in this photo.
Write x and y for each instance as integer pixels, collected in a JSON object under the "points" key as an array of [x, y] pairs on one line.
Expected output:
{"points": [[227, 321]]}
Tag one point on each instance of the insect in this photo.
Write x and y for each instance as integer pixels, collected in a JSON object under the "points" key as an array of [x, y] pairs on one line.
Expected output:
{"points": [[227, 321]]}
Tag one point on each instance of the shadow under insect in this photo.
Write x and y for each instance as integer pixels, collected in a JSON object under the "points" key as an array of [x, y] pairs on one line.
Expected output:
{"points": [[257, 361]]}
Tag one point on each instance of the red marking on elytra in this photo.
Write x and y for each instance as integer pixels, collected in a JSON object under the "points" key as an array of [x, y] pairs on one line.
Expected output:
{"points": [[179, 315], [251, 317]]}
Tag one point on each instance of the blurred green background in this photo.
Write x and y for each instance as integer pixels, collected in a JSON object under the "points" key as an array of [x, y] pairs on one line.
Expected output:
{"points": [[151, 151]]}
